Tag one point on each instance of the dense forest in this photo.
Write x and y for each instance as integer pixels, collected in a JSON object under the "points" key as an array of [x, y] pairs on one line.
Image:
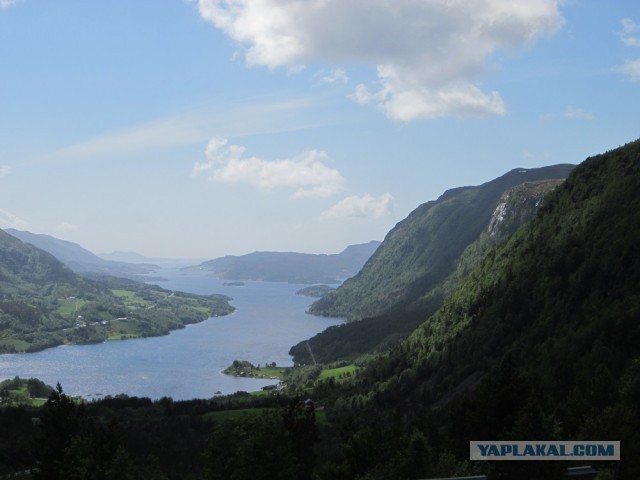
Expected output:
{"points": [[422, 260], [539, 339]]}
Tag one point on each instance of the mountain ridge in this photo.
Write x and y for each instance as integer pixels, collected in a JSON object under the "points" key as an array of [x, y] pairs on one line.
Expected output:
{"points": [[43, 303], [421, 249], [515, 207], [292, 267], [540, 340], [79, 259]]}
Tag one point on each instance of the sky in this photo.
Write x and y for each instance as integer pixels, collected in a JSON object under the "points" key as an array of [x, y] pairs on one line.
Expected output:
{"points": [[197, 129]]}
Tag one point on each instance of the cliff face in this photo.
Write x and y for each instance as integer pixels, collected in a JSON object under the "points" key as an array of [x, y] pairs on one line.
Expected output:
{"points": [[425, 248], [540, 340], [518, 205]]}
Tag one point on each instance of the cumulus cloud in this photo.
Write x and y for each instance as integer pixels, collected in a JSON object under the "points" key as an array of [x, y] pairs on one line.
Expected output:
{"points": [[428, 54], [306, 173], [4, 171], [7, 3], [365, 206], [9, 220]]}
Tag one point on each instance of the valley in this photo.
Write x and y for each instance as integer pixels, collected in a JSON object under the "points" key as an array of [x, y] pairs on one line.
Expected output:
{"points": [[521, 324]]}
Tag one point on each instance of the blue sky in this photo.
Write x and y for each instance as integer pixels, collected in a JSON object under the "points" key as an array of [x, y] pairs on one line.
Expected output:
{"points": [[195, 129]]}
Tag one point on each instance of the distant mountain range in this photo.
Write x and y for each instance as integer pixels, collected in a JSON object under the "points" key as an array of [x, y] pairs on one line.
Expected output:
{"points": [[136, 258], [291, 267], [79, 259]]}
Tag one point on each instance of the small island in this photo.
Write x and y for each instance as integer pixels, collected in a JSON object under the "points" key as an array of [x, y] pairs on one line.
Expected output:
{"points": [[244, 368], [317, 291]]}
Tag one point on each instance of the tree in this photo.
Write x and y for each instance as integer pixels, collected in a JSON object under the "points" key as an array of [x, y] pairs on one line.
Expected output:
{"points": [[61, 421]]}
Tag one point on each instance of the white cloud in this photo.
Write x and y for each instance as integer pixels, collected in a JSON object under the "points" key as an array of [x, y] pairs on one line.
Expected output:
{"points": [[630, 33], [573, 113], [336, 76], [306, 173], [7, 3], [570, 113], [191, 128], [631, 68], [4, 171], [630, 36], [9, 220], [365, 206], [428, 53]]}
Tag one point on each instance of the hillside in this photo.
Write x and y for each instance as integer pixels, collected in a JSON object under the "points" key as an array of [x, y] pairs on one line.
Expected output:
{"points": [[79, 259], [43, 303], [25, 269], [291, 267], [541, 340], [379, 332], [423, 249]]}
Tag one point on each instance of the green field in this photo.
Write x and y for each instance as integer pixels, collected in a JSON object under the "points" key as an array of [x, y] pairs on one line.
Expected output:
{"points": [[70, 306], [13, 344], [340, 374], [127, 294], [273, 372], [132, 299]]}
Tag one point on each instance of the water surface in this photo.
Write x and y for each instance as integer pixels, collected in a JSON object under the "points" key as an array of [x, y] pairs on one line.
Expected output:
{"points": [[268, 320]]}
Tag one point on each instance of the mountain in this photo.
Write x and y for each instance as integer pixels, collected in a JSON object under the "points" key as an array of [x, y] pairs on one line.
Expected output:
{"points": [[43, 303], [129, 257], [423, 249], [136, 258], [292, 267], [25, 270], [420, 286], [79, 259], [541, 340]]}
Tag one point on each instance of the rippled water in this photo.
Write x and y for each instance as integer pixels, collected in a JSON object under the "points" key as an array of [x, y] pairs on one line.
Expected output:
{"points": [[268, 320]]}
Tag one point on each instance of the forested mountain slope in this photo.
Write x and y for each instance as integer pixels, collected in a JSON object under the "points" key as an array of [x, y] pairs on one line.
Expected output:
{"points": [[422, 250], [512, 209], [27, 270], [43, 303], [79, 259], [541, 341]]}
